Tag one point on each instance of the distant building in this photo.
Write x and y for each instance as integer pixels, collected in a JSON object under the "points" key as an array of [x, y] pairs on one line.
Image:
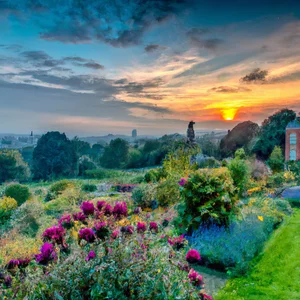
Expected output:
{"points": [[134, 133], [292, 141]]}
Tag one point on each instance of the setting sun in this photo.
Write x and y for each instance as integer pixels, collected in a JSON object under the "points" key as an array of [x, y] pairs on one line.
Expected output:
{"points": [[229, 114]]}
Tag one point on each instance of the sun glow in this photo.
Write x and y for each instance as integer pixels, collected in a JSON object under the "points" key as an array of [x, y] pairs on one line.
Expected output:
{"points": [[229, 114]]}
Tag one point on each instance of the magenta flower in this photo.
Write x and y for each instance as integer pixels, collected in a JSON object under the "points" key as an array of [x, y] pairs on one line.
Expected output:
{"points": [[128, 229], [87, 234], [91, 255], [115, 234], [23, 263], [54, 234], [108, 210], [205, 296], [7, 281], [87, 208], [195, 278], [47, 254], [182, 181], [141, 227], [101, 229], [66, 221], [193, 256], [13, 263], [177, 242], [79, 216], [153, 226], [120, 210], [101, 204], [137, 210]]}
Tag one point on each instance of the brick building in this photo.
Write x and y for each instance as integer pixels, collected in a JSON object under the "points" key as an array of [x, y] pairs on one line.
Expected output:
{"points": [[292, 141]]}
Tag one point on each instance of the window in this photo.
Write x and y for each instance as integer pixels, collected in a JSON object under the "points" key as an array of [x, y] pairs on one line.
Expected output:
{"points": [[293, 139], [293, 155]]}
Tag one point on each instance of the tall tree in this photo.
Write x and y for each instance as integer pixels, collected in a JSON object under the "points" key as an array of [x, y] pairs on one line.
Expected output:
{"points": [[12, 166], [272, 132], [53, 156]]}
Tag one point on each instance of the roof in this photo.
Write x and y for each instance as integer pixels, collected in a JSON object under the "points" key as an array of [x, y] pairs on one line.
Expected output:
{"points": [[294, 124]]}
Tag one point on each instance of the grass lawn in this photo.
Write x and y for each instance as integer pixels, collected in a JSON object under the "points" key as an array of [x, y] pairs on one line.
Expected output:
{"points": [[276, 275]]}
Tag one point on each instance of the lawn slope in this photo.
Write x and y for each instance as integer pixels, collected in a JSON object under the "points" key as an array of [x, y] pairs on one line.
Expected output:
{"points": [[276, 275]]}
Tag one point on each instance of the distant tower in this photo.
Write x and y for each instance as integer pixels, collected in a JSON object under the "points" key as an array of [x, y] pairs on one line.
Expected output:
{"points": [[134, 133], [191, 134]]}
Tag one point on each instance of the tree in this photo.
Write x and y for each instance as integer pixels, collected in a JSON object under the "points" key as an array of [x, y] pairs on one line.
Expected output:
{"points": [[12, 166], [276, 160], [53, 156], [272, 132], [115, 154]]}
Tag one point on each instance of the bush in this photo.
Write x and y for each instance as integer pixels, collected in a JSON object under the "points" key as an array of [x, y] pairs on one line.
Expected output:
{"points": [[124, 188], [258, 169], [7, 206], [85, 164], [167, 192], [276, 160], [204, 162], [60, 186], [154, 175], [207, 196], [144, 195], [102, 173], [240, 173], [19, 192], [275, 180], [89, 188]]}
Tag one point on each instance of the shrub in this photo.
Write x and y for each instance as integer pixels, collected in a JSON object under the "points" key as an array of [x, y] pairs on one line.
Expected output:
{"points": [[258, 169], [85, 163], [167, 192], [60, 186], [143, 195], [275, 180], [204, 162], [19, 192], [89, 188], [207, 195], [102, 173], [7, 206], [124, 188], [240, 173], [155, 175], [276, 160]]}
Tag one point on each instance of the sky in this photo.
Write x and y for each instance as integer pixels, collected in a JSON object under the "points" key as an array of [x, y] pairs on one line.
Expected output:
{"points": [[108, 66]]}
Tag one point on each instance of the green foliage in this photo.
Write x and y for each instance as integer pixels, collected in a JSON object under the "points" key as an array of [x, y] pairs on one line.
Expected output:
{"points": [[102, 173], [273, 132], [85, 164], [240, 153], [60, 186], [12, 166], [210, 145], [167, 192], [115, 154], [143, 195], [155, 175], [239, 171], [294, 166], [89, 188], [275, 180], [204, 162], [207, 196], [276, 160], [53, 156], [7, 206], [19, 192], [134, 158]]}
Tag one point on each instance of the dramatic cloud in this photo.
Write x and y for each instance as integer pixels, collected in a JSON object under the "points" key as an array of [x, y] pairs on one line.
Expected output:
{"points": [[229, 89], [119, 23], [256, 76]]}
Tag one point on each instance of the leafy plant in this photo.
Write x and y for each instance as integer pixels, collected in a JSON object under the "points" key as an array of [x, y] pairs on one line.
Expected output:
{"points": [[19, 192], [87, 187], [276, 160], [143, 195], [167, 192], [7, 206]]}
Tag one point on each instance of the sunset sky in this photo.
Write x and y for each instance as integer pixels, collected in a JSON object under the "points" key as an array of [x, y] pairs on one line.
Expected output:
{"points": [[107, 66]]}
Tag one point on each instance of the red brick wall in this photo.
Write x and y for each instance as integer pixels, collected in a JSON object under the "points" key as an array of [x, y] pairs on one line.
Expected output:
{"points": [[289, 131]]}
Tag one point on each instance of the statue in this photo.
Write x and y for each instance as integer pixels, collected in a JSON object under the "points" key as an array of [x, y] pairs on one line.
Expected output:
{"points": [[191, 134]]}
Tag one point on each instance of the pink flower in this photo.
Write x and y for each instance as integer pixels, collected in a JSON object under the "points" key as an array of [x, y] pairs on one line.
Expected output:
{"points": [[120, 210], [23, 263], [115, 234], [141, 227], [193, 256], [148, 215], [195, 278], [55, 234], [101, 229], [153, 226], [177, 242], [206, 297], [47, 254], [79, 216], [87, 208], [128, 229], [182, 181], [87, 234], [65, 221], [101, 204], [108, 210], [90, 256]]}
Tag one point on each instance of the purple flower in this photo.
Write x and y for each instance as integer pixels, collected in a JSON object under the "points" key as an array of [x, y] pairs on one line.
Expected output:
{"points": [[195, 278], [101, 229], [87, 208], [182, 181], [13, 263], [55, 234], [101, 204], [90, 256], [87, 234], [7, 281], [153, 226], [115, 234], [120, 210], [141, 227], [108, 210], [23, 263], [66, 221], [193, 256], [79, 216], [128, 229], [47, 254], [137, 210]]}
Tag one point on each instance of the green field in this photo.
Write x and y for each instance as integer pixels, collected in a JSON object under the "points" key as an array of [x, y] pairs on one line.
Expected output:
{"points": [[276, 274]]}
